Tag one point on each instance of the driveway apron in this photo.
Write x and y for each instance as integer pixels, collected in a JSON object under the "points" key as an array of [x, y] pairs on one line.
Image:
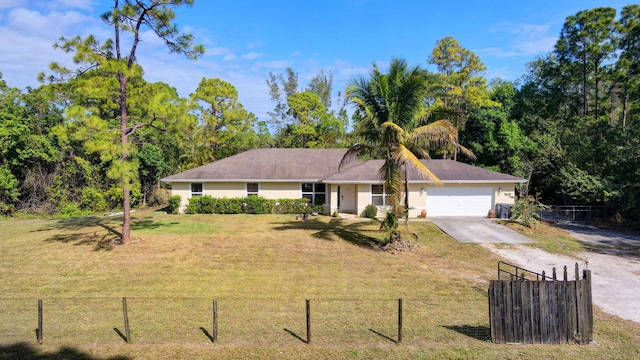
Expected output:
{"points": [[478, 230]]}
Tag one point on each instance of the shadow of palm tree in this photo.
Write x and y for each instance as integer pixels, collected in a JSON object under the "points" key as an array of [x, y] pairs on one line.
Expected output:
{"points": [[353, 232], [23, 351]]}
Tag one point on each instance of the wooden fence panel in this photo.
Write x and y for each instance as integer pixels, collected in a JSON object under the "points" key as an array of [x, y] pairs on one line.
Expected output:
{"points": [[541, 312]]}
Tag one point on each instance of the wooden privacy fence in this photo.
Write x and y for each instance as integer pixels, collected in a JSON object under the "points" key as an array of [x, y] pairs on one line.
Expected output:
{"points": [[541, 311]]}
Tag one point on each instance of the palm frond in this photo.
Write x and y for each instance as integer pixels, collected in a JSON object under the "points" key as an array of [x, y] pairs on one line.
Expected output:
{"points": [[351, 156], [466, 152], [408, 158]]}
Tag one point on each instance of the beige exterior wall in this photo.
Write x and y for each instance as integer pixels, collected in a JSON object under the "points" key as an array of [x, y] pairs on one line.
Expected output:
{"points": [[417, 199], [184, 190], [332, 197], [280, 190], [363, 197], [504, 194], [225, 190]]}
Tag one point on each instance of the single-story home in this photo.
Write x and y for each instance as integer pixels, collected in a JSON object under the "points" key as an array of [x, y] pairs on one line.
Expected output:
{"points": [[466, 190]]}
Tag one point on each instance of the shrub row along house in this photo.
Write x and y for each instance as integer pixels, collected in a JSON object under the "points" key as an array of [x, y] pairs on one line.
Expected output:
{"points": [[315, 174]]}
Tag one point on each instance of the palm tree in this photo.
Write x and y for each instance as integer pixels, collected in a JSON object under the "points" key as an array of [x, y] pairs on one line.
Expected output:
{"points": [[396, 125]]}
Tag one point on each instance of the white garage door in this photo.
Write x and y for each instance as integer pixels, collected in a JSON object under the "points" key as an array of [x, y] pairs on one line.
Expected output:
{"points": [[459, 201]]}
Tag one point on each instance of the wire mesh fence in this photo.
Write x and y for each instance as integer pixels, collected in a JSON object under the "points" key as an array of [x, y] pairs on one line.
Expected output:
{"points": [[243, 321]]}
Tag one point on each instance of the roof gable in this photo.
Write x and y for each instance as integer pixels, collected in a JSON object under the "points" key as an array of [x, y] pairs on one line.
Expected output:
{"points": [[270, 164]]}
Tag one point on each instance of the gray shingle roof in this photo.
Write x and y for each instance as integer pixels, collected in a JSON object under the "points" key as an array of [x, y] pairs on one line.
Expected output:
{"points": [[315, 165], [445, 170], [268, 165]]}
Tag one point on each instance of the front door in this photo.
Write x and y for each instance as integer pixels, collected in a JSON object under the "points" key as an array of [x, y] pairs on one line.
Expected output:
{"points": [[347, 198]]}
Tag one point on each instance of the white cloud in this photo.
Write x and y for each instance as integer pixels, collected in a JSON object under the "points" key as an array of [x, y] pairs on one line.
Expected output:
{"points": [[29, 22], [252, 56], [230, 57], [276, 64], [504, 73], [530, 39], [217, 51], [71, 4], [7, 4], [254, 45], [28, 36]]}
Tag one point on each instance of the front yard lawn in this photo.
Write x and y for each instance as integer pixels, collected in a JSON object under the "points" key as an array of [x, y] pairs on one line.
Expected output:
{"points": [[260, 269]]}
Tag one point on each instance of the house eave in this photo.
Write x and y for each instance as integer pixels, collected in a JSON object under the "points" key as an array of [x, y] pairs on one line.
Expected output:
{"points": [[169, 181]]}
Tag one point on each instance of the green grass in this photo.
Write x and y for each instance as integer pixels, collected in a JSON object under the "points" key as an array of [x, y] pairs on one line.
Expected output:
{"points": [[260, 269]]}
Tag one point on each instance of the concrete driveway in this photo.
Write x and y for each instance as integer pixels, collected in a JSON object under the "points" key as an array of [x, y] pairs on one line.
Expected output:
{"points": [[478, 230]]}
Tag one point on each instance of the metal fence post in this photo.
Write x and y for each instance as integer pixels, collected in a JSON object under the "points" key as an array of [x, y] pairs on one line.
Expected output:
{"points": [[399, 321]]}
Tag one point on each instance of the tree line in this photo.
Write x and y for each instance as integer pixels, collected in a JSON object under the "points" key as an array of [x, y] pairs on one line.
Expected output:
{"points": [[88, 137]]}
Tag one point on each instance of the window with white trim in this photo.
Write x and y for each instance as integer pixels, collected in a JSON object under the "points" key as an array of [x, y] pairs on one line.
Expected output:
{"points": [[379, 196], [197, 189], [316, 193], [253, 189]]}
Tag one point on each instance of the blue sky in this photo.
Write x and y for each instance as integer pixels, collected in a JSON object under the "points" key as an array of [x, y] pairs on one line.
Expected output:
{"points": [[245, 40]]}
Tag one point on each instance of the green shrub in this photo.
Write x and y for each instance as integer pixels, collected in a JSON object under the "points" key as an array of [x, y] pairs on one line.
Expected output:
{"points": [[525, 210], [72, 210], [248, 205], [229, 206], [173, 206], [291, 206], [193, 207], [93, 199], [202, 205], [370, 211], [257, 205], [6, 209], [114, 197]]}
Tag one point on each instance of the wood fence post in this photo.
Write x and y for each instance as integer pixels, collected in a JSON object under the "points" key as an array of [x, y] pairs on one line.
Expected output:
{"points": [[308, 306], [40, 324], [589, 307], [125, 314], [399, 321], [215, 321]]}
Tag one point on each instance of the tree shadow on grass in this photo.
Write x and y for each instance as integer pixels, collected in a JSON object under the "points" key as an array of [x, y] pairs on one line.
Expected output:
{"points": [[353, 232], [627, 252], [478, 332], [24, 351], [101, 232]]}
